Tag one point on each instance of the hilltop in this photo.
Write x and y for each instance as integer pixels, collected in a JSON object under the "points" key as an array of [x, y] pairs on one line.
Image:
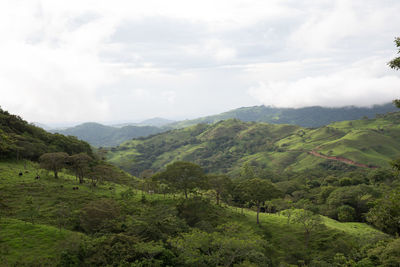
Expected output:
{"points": [[315, 116], [227, 145], [19, 139]]}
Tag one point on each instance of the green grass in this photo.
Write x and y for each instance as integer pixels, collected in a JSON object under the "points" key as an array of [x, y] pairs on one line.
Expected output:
{"points": [[23, 242], [43, 241]]}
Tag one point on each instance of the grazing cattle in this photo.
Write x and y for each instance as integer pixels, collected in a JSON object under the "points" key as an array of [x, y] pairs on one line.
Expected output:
{"points": [[75, 188], [37, 177], [20, 174], [111, 188], [26, 171]]}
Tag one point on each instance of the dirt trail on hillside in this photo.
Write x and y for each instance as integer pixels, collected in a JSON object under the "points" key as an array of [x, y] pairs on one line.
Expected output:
{"points": [[344, 160]]}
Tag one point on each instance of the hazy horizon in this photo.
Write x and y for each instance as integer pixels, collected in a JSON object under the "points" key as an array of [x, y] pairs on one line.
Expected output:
{"points": [[61, 124], [124, 61]]}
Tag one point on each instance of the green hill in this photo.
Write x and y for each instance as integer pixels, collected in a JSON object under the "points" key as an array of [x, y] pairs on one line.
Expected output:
{"points": [[18, 139], [121, 220], [101, 135], [227, 145], [306, 117]]}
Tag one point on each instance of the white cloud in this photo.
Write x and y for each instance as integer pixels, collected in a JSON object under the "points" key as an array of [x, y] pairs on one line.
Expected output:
{"points": [[364, 83], [103, 60]]}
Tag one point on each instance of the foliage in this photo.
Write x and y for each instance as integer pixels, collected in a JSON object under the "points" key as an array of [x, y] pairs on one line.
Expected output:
{"points": [[221, 185], [309, 222], [184, 176], [385, 215], [98, 215], [19, 140], [79, 164], [258, 191], [240, 148], [346, 213], [139, 233], [228, 246], [53, 162], [200, 213], [395, 63]]}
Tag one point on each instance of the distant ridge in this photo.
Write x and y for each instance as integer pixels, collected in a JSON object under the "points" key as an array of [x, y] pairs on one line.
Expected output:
{"points": [[311, 117], [101, 135], [156, 122]]}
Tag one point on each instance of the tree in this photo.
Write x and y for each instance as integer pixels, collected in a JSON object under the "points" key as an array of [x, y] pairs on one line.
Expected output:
{"points": [[183, 176], [395, 64], [53, 162], [258, 191], [385, 215], [98, 214], [101, 172], [220, 184], [309, 222], [229, 246], [80, 165]]}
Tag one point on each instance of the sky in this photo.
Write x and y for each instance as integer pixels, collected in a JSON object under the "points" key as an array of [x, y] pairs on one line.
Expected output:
{"points": [[128, 60]]}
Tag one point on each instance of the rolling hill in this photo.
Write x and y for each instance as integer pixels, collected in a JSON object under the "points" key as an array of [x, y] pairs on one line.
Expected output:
{"points": [[227, 145], [19, 139], [306, 117], [106, 136], [101, 135]]}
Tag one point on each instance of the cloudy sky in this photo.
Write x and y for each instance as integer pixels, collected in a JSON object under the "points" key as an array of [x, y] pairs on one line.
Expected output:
{"points": [[115, 61]]}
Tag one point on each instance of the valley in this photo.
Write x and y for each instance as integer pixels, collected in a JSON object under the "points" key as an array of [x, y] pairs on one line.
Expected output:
{"points": [[231, 193]]}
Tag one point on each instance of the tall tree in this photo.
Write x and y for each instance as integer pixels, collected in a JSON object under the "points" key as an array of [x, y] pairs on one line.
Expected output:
{"points": [[53, 162], [308, 220], [220, 184], [101, 172], [80, 164], [258, 191], [183, 176]]}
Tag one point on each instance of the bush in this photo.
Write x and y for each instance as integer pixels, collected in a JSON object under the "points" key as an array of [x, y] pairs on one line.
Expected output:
{"points": [[98, 215], [346, 213]]}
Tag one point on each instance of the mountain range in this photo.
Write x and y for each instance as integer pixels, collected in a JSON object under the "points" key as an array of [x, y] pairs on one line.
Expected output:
{"points": [[227, 146], [100, 135], [105, 136]]}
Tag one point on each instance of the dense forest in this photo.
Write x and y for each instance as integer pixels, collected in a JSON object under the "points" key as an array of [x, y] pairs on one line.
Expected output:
{"points": [[65, 206]]}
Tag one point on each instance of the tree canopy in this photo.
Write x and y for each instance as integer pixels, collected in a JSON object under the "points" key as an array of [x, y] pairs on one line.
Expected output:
{"points": [[258, 191], [53, 161], [183, 176]]}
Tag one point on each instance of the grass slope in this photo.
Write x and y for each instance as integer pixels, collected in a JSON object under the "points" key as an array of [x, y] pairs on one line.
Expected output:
{"points": [[22, 242], [225, 146]]}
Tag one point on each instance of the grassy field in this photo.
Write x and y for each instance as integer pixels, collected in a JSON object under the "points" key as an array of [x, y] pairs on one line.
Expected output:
{"points": [[43, 241]]}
